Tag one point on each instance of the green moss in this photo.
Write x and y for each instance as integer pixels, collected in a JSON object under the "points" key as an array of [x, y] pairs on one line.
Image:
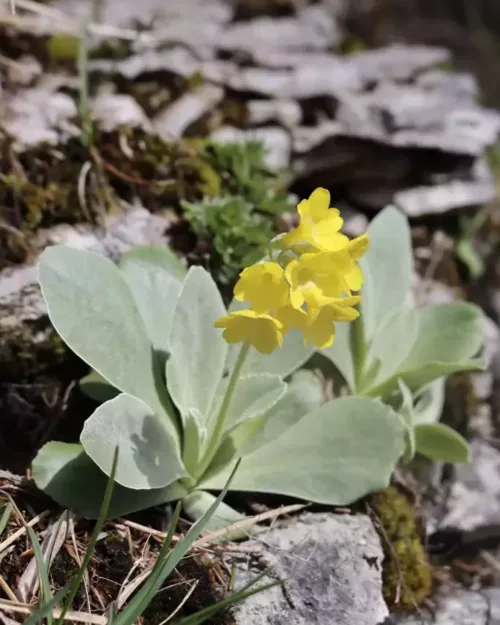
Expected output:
{"points": [[406, 567]]}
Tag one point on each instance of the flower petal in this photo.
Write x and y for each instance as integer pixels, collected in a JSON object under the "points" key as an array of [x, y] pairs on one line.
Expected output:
{"points": [[358, 246]]}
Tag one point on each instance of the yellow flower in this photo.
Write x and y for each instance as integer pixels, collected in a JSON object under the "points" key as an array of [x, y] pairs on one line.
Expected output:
{"points": [[320, 326], [246, 326], [316, 277], [319, 224], [264, 286], [291, 317]]}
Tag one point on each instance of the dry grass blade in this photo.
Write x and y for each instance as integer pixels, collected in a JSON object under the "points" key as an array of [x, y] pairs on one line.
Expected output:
{"points": [[22, 530], [76, 617], [183, 602], [52, 544], [246, 524]]}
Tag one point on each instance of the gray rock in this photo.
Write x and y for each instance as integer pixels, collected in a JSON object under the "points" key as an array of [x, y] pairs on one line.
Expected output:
{"points": [[462, 87], [474, 499], [285, 112], [312, 28], [397, 62], [332, 568], [111, 110], [176, 118], [39, 114], [21, 302], [460, 607]]}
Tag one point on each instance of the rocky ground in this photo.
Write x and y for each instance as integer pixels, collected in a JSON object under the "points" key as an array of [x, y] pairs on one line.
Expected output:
{"points": [[103, 154]]}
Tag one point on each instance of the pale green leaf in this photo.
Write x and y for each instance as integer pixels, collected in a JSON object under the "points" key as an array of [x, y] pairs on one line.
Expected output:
{"points": [[154, 275], [393, 342], [451, 332], [304, 393], [193, 438], [429, 404], [67, 475], [334, 455], [149, 456], [406, 411], [196, 504], [416, 379], [341, 354], [254, 395], [440, 442], [198, 351], [387, 267], [94, 311], [97, 388]]}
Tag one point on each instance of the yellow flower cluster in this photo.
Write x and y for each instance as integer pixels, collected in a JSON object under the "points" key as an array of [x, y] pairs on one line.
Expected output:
{"points": [[308, 286]]}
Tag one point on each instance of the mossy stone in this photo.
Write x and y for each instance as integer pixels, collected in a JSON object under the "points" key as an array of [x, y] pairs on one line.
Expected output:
{"points": [[406, 569]]}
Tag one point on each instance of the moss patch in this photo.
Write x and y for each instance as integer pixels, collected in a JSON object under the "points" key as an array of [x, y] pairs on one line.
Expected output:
{"points": [[407, 574]]}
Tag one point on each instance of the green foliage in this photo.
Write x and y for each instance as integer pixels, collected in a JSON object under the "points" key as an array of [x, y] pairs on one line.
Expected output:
{"points": [[402, 354], [237, 232], [183, 407], [239, 222]]}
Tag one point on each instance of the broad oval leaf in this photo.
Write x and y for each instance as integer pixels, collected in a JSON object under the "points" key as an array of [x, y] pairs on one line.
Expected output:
{"points": [[451, 332], [149, 456], [197, 350], [67, 475], [97, 388], [440, 442], [254, 395], [196, 504], [429, 404], [304, 393], [406, 411], [416, 379], [93, 310], [387, 268], [393, 342], [154, 275], [341, 354], [334, 455]]}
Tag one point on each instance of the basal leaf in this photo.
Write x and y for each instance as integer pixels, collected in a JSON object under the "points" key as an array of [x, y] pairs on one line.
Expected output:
{"points": [[418, 378], [149, 455], [387, 267], [198, 352], [440, 442], [154, 275], [406, 411], [429, 403], [97, 388], [197, 503], [451, 332], [304, 393], [341, 354], [94, 311], [393, 342], [334, 455], [255, 394], [67, 475]]}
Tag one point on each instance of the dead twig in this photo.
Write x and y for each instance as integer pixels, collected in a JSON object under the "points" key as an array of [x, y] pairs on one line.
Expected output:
{"points": [[22, 530], [16, 607]]}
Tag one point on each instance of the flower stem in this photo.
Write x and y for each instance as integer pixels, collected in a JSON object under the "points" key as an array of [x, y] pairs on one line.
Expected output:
{"points": [[218, 432]]}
